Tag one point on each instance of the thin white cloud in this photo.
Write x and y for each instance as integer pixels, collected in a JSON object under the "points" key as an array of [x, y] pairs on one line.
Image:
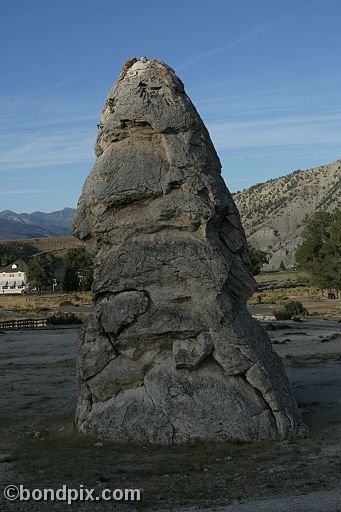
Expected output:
{"points": [[23, 191], [39, 132], [319, 91], [240, 40], [40, 149], [59, 85], [277, 132], [229, 46]]}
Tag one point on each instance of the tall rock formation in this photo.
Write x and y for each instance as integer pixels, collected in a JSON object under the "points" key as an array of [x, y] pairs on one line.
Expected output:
{"points": [[170, 353]]}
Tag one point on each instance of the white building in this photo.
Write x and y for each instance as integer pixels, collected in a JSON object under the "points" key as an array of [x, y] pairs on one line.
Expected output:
{"points": [[13, 277]]}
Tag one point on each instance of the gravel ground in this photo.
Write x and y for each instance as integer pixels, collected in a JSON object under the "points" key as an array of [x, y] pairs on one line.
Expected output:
{"points": [[39, 448]]}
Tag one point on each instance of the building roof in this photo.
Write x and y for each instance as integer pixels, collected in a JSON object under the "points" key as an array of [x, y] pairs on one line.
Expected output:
{"points": [[21, 266]]}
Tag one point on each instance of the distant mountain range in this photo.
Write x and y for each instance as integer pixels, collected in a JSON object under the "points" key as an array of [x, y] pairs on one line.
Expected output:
{"points": [[14, 226], [273, 213]]}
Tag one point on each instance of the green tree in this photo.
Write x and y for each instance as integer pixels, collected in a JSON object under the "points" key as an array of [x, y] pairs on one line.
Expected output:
{"points": [[320, 252], [70, 279], [7, 259], [281, 265], [257, 259], [11, 251], [78, 271], [41, 271]]}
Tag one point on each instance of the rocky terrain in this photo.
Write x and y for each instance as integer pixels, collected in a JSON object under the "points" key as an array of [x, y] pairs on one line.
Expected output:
{"points": [[35, 225], [273, 213]]}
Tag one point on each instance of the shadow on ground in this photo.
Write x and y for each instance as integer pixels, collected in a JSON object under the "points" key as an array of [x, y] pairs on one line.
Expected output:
{"points": [[40, 449]]}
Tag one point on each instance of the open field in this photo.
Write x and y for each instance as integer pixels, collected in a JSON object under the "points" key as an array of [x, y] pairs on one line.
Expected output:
{"points": [[292, 278], [57, 244], [316, 306], [276, 288], [39, 447], [31, 306]]}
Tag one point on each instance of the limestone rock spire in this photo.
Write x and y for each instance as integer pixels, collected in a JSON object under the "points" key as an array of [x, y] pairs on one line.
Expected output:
{"points": [[169, 353]]}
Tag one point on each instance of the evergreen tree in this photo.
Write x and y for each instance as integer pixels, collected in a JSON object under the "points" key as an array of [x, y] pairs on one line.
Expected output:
{"points": [[41, 271], [78, 270], [320, 252], [257, 259], [7, 259], [70, 278]]}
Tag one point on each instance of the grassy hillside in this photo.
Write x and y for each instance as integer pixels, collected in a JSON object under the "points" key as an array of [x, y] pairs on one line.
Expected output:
{"points": [[273, 213], [27, 247]]}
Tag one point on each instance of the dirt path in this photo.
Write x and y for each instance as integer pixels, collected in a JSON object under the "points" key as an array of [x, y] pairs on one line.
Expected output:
{"points": [[38, 447]]}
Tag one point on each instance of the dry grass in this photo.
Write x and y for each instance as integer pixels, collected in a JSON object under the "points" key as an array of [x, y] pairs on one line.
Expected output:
{"points": [[277, 288], [53, 244], [270, 278], [202, 473], [282, 295], [314, 303], [28, 306]]}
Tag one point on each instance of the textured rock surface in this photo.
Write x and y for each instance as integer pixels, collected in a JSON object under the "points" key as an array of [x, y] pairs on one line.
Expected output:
{"points": [[170, 352]]}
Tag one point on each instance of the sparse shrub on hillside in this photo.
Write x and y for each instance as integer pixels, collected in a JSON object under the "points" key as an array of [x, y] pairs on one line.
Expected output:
{"points": [[291, 310], [7, 259], [66, 303], [64, 319], [11, 251]]}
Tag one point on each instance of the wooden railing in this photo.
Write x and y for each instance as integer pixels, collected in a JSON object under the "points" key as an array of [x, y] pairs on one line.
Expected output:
{"points": [[24, 323]]}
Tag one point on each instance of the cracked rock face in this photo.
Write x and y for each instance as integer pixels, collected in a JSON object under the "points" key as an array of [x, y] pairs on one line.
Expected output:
{"points": [[170, 353]]}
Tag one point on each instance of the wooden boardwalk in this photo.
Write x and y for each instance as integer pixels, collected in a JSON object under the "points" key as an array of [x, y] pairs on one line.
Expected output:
{"points": [[24, 323]]}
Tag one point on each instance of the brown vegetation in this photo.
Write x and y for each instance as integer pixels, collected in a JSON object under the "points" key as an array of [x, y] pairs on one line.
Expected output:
{"points": [[28, 306], [58, 245]]}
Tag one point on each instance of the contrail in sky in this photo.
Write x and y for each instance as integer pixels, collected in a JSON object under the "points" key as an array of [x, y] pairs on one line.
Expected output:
{"points": [[250, 35], [228, 46]]}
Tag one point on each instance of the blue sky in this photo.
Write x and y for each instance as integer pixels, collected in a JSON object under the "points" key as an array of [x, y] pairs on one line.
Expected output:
{"points": [[265, 76]]}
